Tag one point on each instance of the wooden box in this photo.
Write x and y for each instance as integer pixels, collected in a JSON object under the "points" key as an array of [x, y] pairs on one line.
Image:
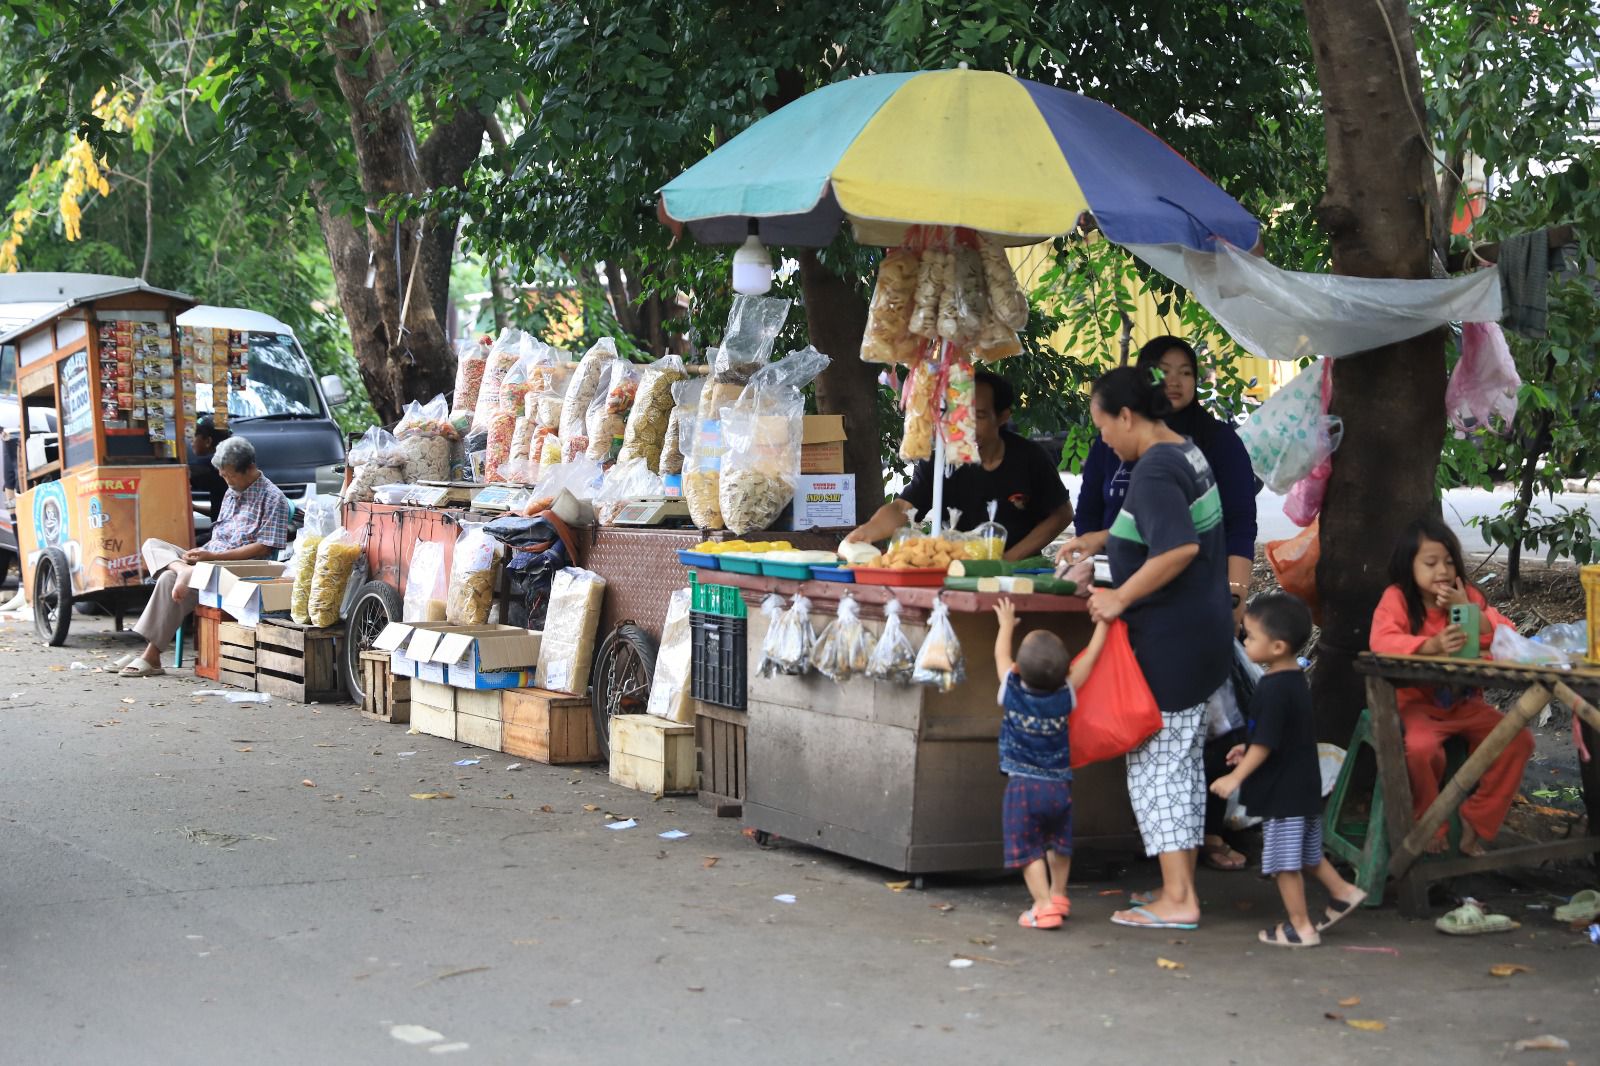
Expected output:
{"points": [[237, 647], [298, 662], [383, 695], [207, 651], [433, 709], [719, 734], [652, 755], [548, 727], [479, 732]]}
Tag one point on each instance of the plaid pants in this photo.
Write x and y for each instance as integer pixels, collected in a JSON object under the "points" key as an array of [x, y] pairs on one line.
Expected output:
{"points": [[1167, 783]]}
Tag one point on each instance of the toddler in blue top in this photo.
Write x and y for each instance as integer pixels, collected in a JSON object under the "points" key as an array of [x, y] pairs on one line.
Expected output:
{"points": [[1037, 691]]}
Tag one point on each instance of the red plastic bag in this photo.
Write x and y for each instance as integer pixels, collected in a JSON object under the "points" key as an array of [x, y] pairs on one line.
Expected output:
{"points": [[1294, 563], [1115, 711]]}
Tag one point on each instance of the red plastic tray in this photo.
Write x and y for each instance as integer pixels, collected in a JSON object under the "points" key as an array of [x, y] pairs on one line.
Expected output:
{"points": [[918, 577]]}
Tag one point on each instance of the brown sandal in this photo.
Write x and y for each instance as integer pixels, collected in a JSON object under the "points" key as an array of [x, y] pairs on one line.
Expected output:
{"points": [[1216, 857]]}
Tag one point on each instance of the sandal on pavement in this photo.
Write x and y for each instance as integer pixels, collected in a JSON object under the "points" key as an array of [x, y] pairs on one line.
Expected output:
{"points": [[1469, 919], [1060, 906], [1285, 935], [1150, 920], [1223, 857], [1142, 899], [1035, 918], [1338, 910], [1584, 907], [141, 668], [125, 660]]}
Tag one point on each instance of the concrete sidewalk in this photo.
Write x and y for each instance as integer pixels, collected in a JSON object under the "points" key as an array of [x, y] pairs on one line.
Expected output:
{"points": [[188, 880]]}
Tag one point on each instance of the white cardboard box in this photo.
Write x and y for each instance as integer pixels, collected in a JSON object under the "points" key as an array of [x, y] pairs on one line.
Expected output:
{"points": [[821, 501]]}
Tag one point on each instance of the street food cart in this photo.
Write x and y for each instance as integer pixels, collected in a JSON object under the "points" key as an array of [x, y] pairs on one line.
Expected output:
{"points": [[101, 456]]}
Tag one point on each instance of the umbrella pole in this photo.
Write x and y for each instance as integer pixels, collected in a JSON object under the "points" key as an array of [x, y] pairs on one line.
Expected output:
{"points": [[938, 475]]}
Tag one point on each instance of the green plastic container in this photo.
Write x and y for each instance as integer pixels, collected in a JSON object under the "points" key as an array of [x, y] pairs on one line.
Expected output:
{"points": [[722, 600], [787, 571]]}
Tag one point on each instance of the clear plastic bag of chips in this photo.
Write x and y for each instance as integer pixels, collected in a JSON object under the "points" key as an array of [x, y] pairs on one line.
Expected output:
{"points": [[940, 662], [336, 561], [845, 646]]}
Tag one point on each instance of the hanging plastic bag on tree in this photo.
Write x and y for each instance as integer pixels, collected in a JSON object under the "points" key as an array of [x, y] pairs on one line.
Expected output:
{"points": [[1485, 382], [1115, 710], [336, 561], [1288, 435], [586, 382], [940, 661], [503, 355], [893, 658], [651, 414], [472, 356], [843, 649], [374, 460], [607, 418], [1294, 564], [1304, 501], [425, 584], [474, 573], [762, 432]]}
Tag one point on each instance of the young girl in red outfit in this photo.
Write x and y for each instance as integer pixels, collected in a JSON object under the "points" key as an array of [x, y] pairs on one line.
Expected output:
{"points": [[1413, 618]]}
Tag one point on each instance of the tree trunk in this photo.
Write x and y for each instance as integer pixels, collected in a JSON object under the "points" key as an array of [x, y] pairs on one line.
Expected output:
{"points": [[836, 318], [417, 361], [1380, 211], [347, 254], [444, 159]]}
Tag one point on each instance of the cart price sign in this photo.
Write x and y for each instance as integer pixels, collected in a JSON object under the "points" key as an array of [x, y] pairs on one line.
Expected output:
{"points": [[77, 408]]}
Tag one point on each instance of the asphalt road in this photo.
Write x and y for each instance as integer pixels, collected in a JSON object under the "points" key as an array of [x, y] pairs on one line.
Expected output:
{"points": [[187, 880]]}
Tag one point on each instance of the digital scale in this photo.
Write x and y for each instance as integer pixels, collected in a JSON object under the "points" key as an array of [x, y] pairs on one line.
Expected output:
{"points": [[653, 511]]}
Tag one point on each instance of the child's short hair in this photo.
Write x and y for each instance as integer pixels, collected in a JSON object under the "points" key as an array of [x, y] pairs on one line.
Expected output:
{"points": [[1282, 617], [1043, 661]]}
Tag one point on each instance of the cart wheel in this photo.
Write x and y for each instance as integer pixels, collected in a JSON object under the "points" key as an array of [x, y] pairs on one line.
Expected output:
{"points": [[622, 673], [762, 838], [376, 605], [52, 597]]}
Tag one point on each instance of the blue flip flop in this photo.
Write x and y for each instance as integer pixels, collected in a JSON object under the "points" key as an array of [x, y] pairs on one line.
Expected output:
{"points": [[1152, 922]]}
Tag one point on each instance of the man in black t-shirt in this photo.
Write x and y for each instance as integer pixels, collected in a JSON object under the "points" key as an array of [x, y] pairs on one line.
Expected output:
{"points": [[1032, 503]]}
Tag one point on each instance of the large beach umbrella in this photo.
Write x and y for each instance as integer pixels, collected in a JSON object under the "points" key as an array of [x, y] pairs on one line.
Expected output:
{"points": [[970, 148]]}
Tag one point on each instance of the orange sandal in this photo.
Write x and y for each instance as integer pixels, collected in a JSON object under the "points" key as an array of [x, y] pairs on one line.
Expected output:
{"points": [[1061, 906], [1037, 918]]}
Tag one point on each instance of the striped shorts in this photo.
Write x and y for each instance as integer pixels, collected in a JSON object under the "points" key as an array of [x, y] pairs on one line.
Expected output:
{"points": [[1291, 844], [1167, 783]]}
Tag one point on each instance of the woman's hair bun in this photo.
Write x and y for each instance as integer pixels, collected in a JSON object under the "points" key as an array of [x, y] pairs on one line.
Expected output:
{"points": [[1141, 390]]}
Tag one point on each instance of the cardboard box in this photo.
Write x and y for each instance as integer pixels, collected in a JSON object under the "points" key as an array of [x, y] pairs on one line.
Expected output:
{"points": [[214, 582], [466, 656], [433, 710], [395, 639], [821, 501], [822, 446]]}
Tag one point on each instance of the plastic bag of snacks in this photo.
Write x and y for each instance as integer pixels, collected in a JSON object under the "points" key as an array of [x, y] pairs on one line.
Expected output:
{"points": [[374, 460], [425, 584], [702, 474], [794, 639], [669, 689], [939, 660], [888, 337], [507, 351], [680, 426], [570, 624], [651, 414], [916, 441], [607, 417], [472, 356], [893, 658], [969, 298], [497, 453], [844, 647], [336, 560], [988, 541], [551, 370], [761, 435], [321, 519], [924, 321], [772, 611], [1008, 304], [586, 381], [624, 482], [474, 570], [959, 426], [754, 323], [425, 433]]}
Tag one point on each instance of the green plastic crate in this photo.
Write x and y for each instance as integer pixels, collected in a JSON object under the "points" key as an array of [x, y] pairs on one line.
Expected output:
{"points": [[723, 600]]}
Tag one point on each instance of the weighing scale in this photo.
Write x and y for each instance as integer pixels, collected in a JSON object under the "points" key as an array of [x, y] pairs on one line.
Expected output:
{"points": [[653, 511]]}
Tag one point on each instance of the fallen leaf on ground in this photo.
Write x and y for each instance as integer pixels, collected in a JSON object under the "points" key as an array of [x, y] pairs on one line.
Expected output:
{"points": [[710, 861], [1507, 969], [1332, 1017], [1168, 964], [591, 808], [57, 669], [897, 886], [564, 1002], [1546, 1042], [432, 796], [547, 809], [1350, 1001], [244, 749], [943, 908], [1367, 1025], [308, 783], [981, 941]]}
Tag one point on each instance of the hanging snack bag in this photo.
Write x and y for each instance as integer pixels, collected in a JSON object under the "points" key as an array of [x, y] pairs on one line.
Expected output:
{"points": [[471, 358], [791, 649], [651, 414], [1008, 304], [375, 460], [336, 561], [988, 541], [570, 625], [844, 647], [607, 417], [893, 658], [939, 660], [586, 382], [922, 384], [924, 321], [971, 296], [959, 424], [761, 435], [680, 427], [772, 611], [888, 337], [507, 351], [425, 433], [474, 571], [425, 584]]}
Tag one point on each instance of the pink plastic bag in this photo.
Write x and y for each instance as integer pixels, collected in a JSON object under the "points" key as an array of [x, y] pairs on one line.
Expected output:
{"points": [[1485, 381], [1304, 501]]}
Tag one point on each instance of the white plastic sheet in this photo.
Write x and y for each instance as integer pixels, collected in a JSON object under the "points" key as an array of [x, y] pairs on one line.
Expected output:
{"points": [[1287, 314]]}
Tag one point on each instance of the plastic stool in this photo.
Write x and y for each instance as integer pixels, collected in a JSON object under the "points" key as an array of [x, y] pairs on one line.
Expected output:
{"points": [[1362, 844]]}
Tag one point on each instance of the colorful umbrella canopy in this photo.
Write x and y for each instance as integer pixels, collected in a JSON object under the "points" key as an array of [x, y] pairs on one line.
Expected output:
{"points": [[973, 148]]}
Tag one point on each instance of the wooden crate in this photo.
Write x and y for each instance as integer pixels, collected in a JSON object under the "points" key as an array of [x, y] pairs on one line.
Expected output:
{"points": [[384, 696], [207, 651], [719, 734], [548, 727], [433, 709], [297, 662], [652, 755]]}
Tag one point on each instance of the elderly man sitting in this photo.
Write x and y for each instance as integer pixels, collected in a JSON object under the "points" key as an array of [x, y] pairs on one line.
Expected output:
{"points": [[253, 524]]}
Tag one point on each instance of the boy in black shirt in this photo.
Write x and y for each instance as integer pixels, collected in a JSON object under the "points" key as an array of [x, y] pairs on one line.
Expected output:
{"points": [[1277, 776]]}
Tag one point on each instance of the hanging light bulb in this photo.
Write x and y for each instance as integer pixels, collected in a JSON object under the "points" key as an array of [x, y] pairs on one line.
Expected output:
{"points": [[752, 266]]}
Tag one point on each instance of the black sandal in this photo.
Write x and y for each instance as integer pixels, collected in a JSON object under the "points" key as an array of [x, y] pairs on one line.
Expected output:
{"points": [[1338, 910]]}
